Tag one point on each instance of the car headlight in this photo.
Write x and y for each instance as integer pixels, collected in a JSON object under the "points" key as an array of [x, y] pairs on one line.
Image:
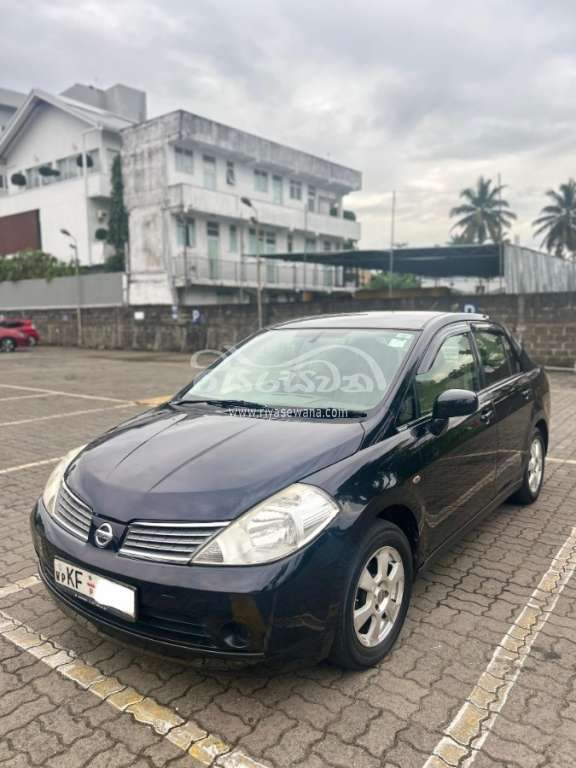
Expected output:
{"points": [[55, 480], [275, 528]]}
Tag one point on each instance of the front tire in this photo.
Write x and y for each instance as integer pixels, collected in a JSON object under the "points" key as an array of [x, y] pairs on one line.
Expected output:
{"points": [[534, 471], [7, 345], [376, 598]]}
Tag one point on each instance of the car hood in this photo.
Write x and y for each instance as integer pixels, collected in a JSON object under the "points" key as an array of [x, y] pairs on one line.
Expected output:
{"points": [[202, 464]]}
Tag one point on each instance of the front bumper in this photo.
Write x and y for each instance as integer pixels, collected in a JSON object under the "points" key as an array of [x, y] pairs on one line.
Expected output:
{"points": [[288, 608]]}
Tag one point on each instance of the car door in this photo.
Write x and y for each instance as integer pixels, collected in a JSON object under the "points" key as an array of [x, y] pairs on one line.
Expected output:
{"points": [[511, 391], [458, 463]]}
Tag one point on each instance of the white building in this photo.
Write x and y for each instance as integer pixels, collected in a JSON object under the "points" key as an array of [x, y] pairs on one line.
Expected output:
{"points": [[201, 194], [9, 103], [45, 185]]}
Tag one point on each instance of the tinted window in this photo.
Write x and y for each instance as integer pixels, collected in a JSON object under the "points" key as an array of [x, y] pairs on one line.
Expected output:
{"points": [[454, 367], [494, 358], [512, 356], [407, 412]]}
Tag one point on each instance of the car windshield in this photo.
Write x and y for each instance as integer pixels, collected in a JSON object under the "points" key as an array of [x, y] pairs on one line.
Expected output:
{"points": [[346, 369]]}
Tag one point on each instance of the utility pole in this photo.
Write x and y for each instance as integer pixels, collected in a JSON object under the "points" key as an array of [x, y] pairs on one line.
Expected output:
{"points": [[74, 247], [256, 221], [392, 228], [501, 244]]}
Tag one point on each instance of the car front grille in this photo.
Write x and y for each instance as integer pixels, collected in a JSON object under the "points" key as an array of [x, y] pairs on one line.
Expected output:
{"points": [[72, 514], [167, 542]]}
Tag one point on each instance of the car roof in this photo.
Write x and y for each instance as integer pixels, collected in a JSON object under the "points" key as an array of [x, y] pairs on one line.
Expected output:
{"points": [[405, 320]]}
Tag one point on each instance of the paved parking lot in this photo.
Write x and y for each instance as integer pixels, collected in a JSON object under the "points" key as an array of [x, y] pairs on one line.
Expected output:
{"points": [[484, 672]]}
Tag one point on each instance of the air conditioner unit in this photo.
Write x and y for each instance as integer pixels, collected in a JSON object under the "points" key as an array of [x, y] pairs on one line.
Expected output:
{"points": [[102, 214]]}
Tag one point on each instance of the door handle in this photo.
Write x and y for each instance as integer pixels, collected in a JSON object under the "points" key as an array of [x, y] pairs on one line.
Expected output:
{"points": [[527, 393], [487, 414]]}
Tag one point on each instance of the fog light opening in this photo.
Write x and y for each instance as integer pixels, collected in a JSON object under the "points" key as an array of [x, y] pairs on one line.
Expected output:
{"points": [[235, 635]]}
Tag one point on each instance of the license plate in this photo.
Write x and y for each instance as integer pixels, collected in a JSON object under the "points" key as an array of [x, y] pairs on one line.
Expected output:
{"points": [[102, 592]]}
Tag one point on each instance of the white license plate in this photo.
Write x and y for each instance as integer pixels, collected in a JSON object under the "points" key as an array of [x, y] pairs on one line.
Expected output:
{"points": [[103, 592]]}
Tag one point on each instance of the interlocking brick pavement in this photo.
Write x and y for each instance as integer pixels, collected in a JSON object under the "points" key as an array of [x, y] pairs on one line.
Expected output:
{"points": [[284, 714]]}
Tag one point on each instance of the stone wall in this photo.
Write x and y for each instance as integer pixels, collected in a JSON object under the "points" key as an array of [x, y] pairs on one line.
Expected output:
{"points": [[546, 323]]}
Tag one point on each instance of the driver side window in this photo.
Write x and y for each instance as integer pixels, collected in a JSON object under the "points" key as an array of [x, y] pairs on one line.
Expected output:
{"points": [[454, 367]]}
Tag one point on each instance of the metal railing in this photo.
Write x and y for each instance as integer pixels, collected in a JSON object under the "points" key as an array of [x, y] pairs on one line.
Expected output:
{"points": [[190, 269]]}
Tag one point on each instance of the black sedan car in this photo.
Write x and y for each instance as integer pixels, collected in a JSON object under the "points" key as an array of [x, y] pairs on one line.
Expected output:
{"points": [[282, 503]]}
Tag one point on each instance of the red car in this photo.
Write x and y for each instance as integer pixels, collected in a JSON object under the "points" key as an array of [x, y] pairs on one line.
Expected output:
{"points": [[26, 327], [10, 338]]}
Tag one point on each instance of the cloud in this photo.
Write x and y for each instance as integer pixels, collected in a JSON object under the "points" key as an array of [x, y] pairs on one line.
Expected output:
{"points": [[421, 96]]}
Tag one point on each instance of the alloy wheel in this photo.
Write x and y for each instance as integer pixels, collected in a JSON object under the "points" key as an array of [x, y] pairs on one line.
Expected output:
{"points": [[6, 345], [535, 465], [378, 596]]}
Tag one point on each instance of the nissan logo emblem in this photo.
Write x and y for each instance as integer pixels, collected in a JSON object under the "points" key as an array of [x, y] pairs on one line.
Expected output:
{"points": [[103, 535]]}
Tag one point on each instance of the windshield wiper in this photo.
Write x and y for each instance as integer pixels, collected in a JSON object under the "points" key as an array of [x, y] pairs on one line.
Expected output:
{"points": [[222, 403]]}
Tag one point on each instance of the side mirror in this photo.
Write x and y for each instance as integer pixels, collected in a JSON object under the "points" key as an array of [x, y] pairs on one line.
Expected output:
{"points": [[454, 402]]}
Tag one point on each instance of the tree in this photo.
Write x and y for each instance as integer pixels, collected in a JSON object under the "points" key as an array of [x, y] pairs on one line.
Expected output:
{"points": [[118, 223], [33, 264], [383, 280], [557, 221], [485, 214]]}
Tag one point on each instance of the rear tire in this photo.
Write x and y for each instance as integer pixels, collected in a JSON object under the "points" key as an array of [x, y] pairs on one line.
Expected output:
{"points": [[533, 472], [7, 345], [376, 598]]}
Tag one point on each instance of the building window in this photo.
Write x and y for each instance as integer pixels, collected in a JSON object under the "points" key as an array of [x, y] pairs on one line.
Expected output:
{"points": [[230, 174], [277, 189], [184, 160], [209, 172], [295, 190], [290, 243], [2, 182], [186, 233], [310, 245], [324, 205], [260, 181], [327, 245], [270, 243], [311, 198], [233, 238]]}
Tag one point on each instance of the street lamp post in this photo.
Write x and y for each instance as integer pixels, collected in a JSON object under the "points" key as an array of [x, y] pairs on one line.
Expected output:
{"points": [[246, 201], [74, 247]]}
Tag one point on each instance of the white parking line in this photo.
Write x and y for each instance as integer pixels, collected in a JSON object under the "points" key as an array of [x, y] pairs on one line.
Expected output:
{"points": [[31, 465], [203, 747], [465, 736], [26, 397], [553, 459], [65, 394], [18, 586], [65, 415]]}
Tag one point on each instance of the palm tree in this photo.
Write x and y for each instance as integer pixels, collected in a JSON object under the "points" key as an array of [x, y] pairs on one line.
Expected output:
{"points": [[557, 222], [484, 215]]}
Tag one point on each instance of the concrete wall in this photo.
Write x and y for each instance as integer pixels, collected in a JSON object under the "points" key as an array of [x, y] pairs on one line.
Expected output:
{"points": [[100, 290], [546, 323]]}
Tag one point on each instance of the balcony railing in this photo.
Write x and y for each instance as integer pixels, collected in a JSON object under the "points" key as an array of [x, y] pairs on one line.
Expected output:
{"points": [[188, 269], [220, 204]]}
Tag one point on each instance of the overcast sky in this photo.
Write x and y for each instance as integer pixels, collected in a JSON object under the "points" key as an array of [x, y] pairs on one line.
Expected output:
{"points": [[420, 96]]}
